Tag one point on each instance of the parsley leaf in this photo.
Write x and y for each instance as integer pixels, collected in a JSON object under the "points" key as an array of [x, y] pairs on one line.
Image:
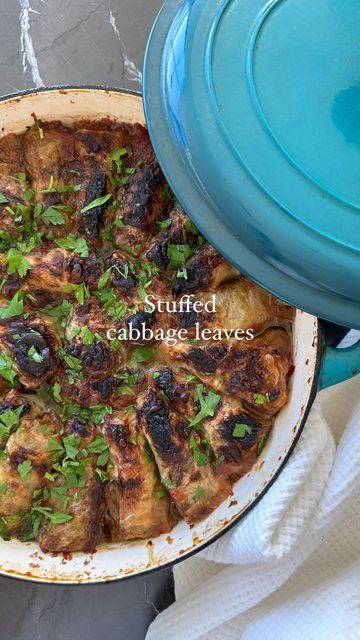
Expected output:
{"points": [[17, 262], [178, 254], [3, 199], [164, 224], [141, 355], [98, 202], [14, 308], [6, 368], [208, 404], [200, 458], [80, 291], [24, 469], [71, 444], [51, 215], [168, 483], [199, 493], [259, 398], [58, 518], [77, 245], [117, 156], [241, 430], [56, 391]]}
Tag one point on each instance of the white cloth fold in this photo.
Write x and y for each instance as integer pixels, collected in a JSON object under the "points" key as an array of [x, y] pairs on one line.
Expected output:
{"points": [[291, 568]]}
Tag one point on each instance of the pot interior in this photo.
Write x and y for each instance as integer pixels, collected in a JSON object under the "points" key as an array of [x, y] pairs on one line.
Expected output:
{"points": [[113, 562]]}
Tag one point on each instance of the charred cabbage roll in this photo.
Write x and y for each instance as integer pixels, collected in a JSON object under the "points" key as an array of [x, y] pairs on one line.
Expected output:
{"points": [[138, 505], [75, 493], [255, 372], [32, 343], [182, 460]]}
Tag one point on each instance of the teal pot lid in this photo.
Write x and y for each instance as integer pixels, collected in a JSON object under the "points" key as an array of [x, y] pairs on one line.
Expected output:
{"points": [[253, 108]]}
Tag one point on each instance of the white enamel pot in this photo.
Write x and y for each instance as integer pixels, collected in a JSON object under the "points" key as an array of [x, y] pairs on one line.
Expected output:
{"points": [[114, 562]]}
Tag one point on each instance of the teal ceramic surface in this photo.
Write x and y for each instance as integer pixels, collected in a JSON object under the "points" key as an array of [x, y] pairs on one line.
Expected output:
{"points": [[253, 108]]}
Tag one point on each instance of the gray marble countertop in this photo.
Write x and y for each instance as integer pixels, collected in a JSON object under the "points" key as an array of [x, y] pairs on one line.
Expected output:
{"points": [[98, 42]]}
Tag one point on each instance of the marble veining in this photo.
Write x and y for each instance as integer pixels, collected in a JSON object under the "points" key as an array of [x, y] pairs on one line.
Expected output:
{"points": [[131, 71], [26, 44]]}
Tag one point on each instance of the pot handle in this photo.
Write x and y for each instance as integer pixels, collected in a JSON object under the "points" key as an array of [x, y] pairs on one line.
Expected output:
{"points": [[339, 365]]}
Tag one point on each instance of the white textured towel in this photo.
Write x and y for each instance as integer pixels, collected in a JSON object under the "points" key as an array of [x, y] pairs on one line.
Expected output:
{"points": [[291, 569]]}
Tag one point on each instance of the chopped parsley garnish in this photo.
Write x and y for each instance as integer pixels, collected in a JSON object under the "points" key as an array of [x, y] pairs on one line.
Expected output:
{"points": [[115, 308], [14, 308], [6, 368], [104, 279], [178, 254], [182, 273], [3, 530], [24, 469], [164, 224], [200, 458], [11, 417], [98, 202], [34, 354], [199, 493], [54, 445], [168, 483], [191, 379], [80, 291], [3, 199], [50, 188], [116, 157], [88, 337], [77, 245], [71, 445], [56, 391], [3, 487], [99, 445], [241, 430], [207, 404], [53, 216], [259, 398], [95, 414], [140, 355], [161, 493]]}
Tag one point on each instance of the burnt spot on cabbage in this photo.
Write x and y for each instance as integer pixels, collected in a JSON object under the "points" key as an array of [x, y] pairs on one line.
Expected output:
{"points": [[89, 222], [123, 277], [158, 253], [187, 320], [249, 372], [166, 382], [140, 197], [12, 284], [104, 387], [119, 433], [95, 358], [33, 349], [247, 425], [77, 427], [198, 278], [155, 413], [140, 321], [84, 270], [207, 361], [91, 143]]}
